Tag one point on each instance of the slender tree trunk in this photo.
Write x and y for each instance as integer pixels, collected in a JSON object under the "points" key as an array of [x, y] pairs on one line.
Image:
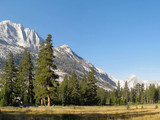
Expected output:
{"points": [[49, 101], [41, 101]]}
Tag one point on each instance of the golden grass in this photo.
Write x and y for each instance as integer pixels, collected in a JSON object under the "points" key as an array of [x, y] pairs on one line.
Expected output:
{"points": [[118, 112]]}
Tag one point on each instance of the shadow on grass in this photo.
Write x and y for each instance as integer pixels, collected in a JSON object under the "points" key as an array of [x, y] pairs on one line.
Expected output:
{"points": [[23, 116]]}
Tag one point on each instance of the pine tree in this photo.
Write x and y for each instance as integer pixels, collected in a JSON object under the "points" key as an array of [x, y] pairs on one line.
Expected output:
{"points": [[83, 90], [4, 81], [4, 73], [138, 93], [8, 79], [142, 94], [3, 96], [12, 78], [152, 93], [64, 91], [25, 77], [45, 78], [126, 92], [118, 93], [101, 95], [73, 89], [91, 88]]}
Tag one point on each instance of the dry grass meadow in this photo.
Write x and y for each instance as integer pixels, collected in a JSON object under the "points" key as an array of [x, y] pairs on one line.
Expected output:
{"points": [[135, 112]]}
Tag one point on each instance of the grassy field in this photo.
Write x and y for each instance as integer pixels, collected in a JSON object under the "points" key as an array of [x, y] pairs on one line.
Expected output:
{"points": [[147, 112]]}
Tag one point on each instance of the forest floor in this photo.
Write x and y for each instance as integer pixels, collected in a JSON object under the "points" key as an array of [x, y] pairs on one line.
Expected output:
{"points": [[135, 112]]}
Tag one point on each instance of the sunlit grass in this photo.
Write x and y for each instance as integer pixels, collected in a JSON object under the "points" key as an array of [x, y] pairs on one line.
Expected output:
{"points": [[135, 112]]}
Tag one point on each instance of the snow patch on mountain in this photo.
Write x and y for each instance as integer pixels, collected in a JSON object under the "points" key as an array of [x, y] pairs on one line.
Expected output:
{"points": [[16, 34]]}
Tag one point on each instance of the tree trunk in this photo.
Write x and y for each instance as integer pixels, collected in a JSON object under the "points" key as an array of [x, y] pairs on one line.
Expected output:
{"points": [[49, 101], [41, 101]]}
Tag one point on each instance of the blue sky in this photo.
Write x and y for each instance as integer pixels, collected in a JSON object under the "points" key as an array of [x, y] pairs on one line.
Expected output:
{"points": [[122, 37]]}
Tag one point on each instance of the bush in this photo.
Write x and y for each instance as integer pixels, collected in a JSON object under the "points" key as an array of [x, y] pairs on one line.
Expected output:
{"points": [[142, 107], [128, 106], [156, 107], [136, 107]]}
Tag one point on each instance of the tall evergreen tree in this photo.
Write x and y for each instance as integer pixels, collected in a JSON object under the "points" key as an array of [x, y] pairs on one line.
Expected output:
{"points": [[12, 74], [3, 96], [9, 78], [101, 95], [64, 91], [73, 89], [118, 93], [126, 92], [83, 90], [91, 88], [5, 86], [25, 78], [138, 93], [46, 83], [142, 94], [4, 73]]}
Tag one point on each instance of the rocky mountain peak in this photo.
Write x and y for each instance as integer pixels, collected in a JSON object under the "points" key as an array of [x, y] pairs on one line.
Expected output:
{"points": [[15, 34], [66, 48]]}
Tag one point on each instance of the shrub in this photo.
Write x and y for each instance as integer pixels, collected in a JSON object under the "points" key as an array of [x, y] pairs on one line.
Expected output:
{"points": [[142, 107], [128, 106]]}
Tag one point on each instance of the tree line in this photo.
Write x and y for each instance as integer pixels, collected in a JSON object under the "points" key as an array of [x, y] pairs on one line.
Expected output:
{"points": [[136, 95]]}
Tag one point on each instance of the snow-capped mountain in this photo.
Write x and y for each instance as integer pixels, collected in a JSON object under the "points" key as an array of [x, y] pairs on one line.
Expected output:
{"points": [[15, 34], [133, 80], [14, 38]]}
